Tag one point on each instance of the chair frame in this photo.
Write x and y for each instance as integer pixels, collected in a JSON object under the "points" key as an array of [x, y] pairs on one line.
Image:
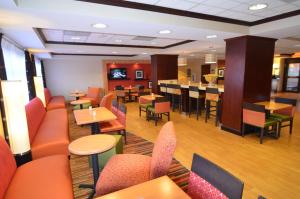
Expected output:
{"points": [[208, 106], [198, 100], [141, 108], [157, 116]]}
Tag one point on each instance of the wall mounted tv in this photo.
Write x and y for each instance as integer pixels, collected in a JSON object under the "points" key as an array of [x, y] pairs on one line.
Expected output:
{"points": [[118, 73]]}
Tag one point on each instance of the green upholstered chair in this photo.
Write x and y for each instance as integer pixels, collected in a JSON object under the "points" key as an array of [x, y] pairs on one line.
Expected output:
{"points": [[84, 106], [103, 158], [143, 104]]}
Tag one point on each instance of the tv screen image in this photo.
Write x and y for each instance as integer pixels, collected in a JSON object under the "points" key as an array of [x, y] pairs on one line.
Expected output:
{"points": [[118, 73]]}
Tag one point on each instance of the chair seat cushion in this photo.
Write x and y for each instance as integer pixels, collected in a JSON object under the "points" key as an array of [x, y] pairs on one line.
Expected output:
{"points": [[123, 171], [280, 117], [48, 177], [270, 121], [56, 102], [52, 136], [145, 105], [114, 125]]}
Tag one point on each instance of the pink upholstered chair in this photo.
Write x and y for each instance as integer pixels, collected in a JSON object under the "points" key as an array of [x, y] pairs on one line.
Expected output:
{"points": [[118, 125], [126, 170], [93, 94], [107, 101]]}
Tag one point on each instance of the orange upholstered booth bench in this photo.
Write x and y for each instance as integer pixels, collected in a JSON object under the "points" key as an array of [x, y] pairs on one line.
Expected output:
{"points": [[54, 102], [48, 130], [48, 177]]}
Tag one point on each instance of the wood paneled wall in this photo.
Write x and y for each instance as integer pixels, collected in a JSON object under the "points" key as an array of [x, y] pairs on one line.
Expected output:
{"points": [[249, 62]]}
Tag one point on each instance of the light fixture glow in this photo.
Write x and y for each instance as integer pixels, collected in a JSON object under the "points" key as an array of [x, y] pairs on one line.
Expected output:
{"points": [[258, 6], [192, 55], [211, 36], [99, 25], [118, 40], [39, 88], [210, 58], [164, 32], [144, 53], [114, 52], [297, 45], [213, 50], [75, 38], [14, 106]]}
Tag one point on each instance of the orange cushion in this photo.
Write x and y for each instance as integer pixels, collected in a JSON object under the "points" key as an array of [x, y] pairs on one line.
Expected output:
{"points": [[56, 102], [114, 125], [35, 113], [47, 95], [46, 178], [53, 135], [7, 167]]}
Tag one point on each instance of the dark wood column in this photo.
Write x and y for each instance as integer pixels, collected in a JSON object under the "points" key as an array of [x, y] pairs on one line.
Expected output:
{"points": [[30, 72], [43, 74], [163, 67], [249, 61]]}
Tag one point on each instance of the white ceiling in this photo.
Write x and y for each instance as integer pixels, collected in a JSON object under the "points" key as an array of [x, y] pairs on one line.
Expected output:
{"points": [[18, 22], [234, 9]]}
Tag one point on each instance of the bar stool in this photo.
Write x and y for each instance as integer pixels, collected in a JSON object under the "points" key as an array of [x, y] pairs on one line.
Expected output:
{"points": [[195, 94], [163, 89], [176, 94], [169, 92], [212, 95]]}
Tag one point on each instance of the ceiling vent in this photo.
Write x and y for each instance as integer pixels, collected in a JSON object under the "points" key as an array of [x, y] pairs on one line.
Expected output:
{"points": [[76, 33], [142, 38]]}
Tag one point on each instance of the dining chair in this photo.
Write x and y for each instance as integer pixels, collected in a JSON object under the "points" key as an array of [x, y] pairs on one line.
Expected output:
{"points": [[285, 116], [121, 93], [163, 88], [160, 106], [136, 94], [194, 94], [93, 94], [107, 101], [212, 104], [208, 180], [126, 170], [143, 103], [176, 97], [255, 115]]}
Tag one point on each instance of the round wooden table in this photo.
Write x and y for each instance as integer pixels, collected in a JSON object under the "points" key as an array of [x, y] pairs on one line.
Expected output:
{"points": [[80, 102], [92, 145], [77, 95]]}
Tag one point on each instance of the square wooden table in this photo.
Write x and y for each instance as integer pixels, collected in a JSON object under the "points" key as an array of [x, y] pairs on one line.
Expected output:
{"points": [[94, 117], [273, 106], [162, 187], [150, 97]]}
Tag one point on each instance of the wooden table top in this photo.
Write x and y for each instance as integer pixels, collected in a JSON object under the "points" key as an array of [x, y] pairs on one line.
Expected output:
{"points": [[92, 144], [79, 94], [272, 106], [162, 187], [150, 97], [81, 101], [102, 114]]}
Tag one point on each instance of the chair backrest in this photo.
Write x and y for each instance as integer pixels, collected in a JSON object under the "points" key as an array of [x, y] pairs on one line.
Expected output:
{"points": [[163, 87], [35, 113], [119, 87], [163, 151], [107, 101], [194, 92], [115, 103], [170, 88], [207, 179], [142, 100], [120, 93], [254, 114], [121, 114], [48, 95], [212, 94], [8, 167], [93, 92], [290, 111], [161, 105]]}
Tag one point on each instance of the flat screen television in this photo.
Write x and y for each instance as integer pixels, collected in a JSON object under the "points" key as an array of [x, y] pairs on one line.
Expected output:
{"points": [[118, 73]]}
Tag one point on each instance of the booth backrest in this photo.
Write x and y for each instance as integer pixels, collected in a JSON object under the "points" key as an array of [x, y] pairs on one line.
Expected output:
{"points": [[7, 167], [48, 95], [35, 113]]}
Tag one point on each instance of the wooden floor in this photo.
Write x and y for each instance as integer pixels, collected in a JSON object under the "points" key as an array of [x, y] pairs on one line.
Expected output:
{"points": [[271, 169]]}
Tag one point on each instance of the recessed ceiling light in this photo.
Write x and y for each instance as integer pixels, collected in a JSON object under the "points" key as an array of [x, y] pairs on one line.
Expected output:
{"points": [[164, 32], [75, 38], [297, 45], [144, 53], [211, 36], [114, 52], [258, 6], [153, 43], [99, 25], [118, 40]]}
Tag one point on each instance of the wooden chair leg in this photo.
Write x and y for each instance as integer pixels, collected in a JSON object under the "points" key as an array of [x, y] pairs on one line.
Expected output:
{"points": [[291, 126], [140, 110], [261, 135], [206, 111]]}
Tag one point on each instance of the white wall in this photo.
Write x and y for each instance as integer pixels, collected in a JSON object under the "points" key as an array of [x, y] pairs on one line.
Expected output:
{"points": [[67, 73]]}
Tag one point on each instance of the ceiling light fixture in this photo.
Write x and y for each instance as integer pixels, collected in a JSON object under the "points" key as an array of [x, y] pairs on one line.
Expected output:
{"points": [[258, 6], [75, 38], [99, 25], [297, 45], [164, 32], [211, 36], [144, 53], [213, 50], [210, 58], [114, 52], [192, 55], [118, 40]]}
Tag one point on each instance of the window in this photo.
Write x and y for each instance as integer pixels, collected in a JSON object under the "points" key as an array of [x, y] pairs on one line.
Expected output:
{"points": [[14, 59]]}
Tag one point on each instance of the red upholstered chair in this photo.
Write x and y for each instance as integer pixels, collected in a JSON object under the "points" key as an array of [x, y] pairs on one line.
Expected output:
{"points": [[209, 181], [93, 94], [161, 107], [126, 170], [107, 101], [32, 180], [118, 125]]}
